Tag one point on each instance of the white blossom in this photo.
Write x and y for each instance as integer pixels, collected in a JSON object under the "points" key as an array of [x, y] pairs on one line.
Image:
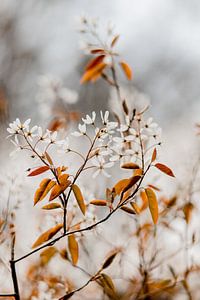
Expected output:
{"points": [[100, 165]]}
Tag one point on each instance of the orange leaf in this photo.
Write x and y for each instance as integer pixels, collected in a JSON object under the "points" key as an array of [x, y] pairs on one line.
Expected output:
{"points": [[59, 189], [120, 185], [99, 202], [51, 206], [49, 159], [144, 198], [95, 51], [79, 197], [47, 235], [164, 169], [187, 209], [39, 192], [127, 70], [91, 73], [154, 155], [47, 254], [153, 204], [94, 62], [73, 248], [108, 261], [39, 170], [135, 207], [130, 166]]}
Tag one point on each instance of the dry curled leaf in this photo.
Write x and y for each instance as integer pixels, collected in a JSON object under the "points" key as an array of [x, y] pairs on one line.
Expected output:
{"points": [[164, 169], [79, 198], [73, 248], [153, 204], [47, 235]]}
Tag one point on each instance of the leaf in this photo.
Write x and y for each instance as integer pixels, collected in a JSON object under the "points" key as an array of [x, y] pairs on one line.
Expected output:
{"points": [[79, 197], [107, 283], [144, 198], [187, 209], [120, 185], [114, 41], [99, 202], [92, 73], [61, 187], [39, 170], [154, 187], [130, 166], [64, 254], [51, 206], [153, 204], [39, 192], [45, 186], [125, 107], [47, 254], [126, 69], [47, 235], [108, 261], [164, 169], [49, 159], [154, 155], [128, 210], [94, 62], [136, 207], [73, 248], [95, 51], [132, 181]]}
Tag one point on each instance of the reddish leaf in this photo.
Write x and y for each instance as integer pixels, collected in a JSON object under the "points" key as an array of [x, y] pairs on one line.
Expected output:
{"points": [[38, 171], [164, 169], [154, 155]]}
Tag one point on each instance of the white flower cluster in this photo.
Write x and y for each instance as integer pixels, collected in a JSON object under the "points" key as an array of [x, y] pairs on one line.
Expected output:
{"points": [[110, 142], [44, 293], [30, 138]]}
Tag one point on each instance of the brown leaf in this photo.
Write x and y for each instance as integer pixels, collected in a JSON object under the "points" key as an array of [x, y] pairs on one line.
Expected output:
{"points": [[130, 166], [47, 235], [79, 197], [187, 209], [99, 202], [39, 170], [114, 41], [97, 51], [132, 181], [125, 107], [51, 206], [73, 248], [107, 284], [164, 169], [49, 159], [153, 204], [126, 69], [128, 210], [108, 261], [47, 254]]}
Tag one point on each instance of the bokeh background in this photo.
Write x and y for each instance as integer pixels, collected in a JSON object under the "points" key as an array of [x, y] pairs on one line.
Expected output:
{"points": [[159, 39]]}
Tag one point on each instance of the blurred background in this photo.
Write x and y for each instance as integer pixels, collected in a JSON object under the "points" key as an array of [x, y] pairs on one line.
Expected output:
{"points": [[159, 39]]}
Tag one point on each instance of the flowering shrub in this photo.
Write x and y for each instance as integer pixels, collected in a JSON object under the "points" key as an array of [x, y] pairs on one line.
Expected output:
{"points": [[124, 149]]}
